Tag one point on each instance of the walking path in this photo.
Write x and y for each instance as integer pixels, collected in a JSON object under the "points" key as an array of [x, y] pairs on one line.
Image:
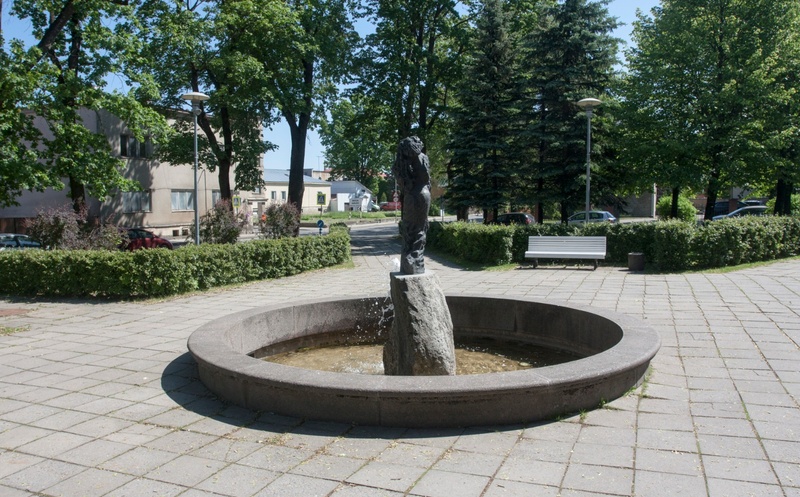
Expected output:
{"points": [[101, 398]]}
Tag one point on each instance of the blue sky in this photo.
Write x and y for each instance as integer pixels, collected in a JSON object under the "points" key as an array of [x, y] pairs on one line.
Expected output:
{"points": [[623, 10]]}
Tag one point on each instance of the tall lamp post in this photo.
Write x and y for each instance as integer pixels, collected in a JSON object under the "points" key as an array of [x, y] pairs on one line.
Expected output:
{"points": [[588, 104], [195, 97]]}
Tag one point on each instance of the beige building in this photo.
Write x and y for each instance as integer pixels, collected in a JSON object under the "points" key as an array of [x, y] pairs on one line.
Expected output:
{"points": [[165, 204], [276, 191]]}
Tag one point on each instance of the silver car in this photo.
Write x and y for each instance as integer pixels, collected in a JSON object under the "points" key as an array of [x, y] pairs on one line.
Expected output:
{"points": [[750, 210], [594, 217]]}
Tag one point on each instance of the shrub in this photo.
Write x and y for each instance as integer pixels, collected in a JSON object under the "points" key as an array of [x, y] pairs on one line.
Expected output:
{"points": [[729, 242], [220, 224], [339, 226], [670, 245], [686, 210], [624, 238], [157, 273], [279, 221], [473, 242], [63, 228]]}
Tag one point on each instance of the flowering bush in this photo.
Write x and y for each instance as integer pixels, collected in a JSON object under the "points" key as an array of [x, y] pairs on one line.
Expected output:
{"points": [[279, 221], [220, 224], [63, 228]]}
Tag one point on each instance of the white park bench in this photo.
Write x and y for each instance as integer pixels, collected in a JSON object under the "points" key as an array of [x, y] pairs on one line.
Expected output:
{"points": [[566, 247]]}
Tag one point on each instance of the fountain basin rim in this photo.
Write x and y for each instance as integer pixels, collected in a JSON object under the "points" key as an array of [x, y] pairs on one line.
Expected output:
{"points": [[635, 349]]}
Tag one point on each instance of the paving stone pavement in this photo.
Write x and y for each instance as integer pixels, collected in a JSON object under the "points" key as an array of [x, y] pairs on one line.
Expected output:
{"points": [[101, 398]]}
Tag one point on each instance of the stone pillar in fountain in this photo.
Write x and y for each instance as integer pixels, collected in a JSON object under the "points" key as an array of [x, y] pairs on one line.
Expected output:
{"points": [[421, 339]]}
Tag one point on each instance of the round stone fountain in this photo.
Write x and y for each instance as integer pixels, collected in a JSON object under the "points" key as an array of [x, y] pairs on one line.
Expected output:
{"points": [[615, 349]]}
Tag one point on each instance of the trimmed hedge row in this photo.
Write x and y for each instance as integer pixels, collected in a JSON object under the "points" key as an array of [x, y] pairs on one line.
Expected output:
{"points": [[158, 272], [670, 245]]}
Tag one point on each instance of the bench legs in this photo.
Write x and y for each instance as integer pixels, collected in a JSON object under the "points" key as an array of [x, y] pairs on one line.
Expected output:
{"points": [[535, 263]]}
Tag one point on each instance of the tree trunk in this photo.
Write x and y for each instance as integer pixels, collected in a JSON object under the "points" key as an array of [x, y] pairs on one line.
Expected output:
{"points": [[673, 211], [77, 192], [539, 206], [711, 195], [226, 161], [783, 198], [298, 125], [296, 163]]}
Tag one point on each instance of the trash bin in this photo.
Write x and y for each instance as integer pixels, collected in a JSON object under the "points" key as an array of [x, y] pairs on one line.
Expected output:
{"points": [[636, 261]]}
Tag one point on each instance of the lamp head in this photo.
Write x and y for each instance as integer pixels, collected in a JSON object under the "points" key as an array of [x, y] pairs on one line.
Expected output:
{"points": [[588, 104], [195, 97]]}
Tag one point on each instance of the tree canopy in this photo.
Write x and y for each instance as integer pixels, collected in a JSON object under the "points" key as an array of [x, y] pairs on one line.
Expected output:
{"points": [[708, 98], [62, 76]]}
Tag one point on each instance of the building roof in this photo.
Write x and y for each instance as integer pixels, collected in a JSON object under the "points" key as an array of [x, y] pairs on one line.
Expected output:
{"points": [[282, 176], [348, 186]]}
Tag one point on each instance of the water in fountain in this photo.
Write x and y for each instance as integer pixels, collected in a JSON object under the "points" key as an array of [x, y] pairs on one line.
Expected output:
{"points": [[473, 356]]}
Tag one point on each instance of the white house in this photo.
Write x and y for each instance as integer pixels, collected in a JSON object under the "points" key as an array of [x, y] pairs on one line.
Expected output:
{"points": [[350, 195]]}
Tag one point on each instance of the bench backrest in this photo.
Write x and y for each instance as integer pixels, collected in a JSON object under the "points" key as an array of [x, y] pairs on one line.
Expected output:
{"points": [[567, 244]]}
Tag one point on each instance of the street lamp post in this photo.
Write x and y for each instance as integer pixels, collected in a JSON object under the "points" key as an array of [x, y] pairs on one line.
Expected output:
{"points": [[588, 104], [195, 97]]}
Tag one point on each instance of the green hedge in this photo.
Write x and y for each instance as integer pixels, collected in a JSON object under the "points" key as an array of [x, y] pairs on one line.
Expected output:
{"points": [[472, 242], [669, 245], [157, 273]]}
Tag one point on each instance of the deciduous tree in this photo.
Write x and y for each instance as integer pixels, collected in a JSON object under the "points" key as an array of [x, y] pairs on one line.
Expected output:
{"points": [[80, 44], [208, 47], [411, 62], [354, 149], [707, 92]]}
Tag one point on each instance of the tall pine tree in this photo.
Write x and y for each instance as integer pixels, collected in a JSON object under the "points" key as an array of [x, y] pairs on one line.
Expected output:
{"points": [[484, 161], [572, 56]]}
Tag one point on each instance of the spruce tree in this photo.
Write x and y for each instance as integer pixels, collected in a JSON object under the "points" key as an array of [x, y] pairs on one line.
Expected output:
{"points": [[572, 56], [484, 163]]}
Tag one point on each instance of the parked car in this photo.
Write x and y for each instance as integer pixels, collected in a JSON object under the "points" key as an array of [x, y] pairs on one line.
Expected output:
{"points": [[16, 241], [391, 206], [723, 207], [750, 210], [594, 217], [513, 218], [139, 238]]}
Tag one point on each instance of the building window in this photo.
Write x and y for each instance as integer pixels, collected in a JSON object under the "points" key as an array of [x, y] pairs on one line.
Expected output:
{"points": [[131, 147], [182, 200], [283, 195], [135, 202], [216, 196], [273, 195]]}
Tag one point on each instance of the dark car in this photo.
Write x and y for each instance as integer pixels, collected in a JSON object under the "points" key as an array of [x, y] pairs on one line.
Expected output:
{"points": [[16, 241], [750, 210], [139, 238], [513, 218]]}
